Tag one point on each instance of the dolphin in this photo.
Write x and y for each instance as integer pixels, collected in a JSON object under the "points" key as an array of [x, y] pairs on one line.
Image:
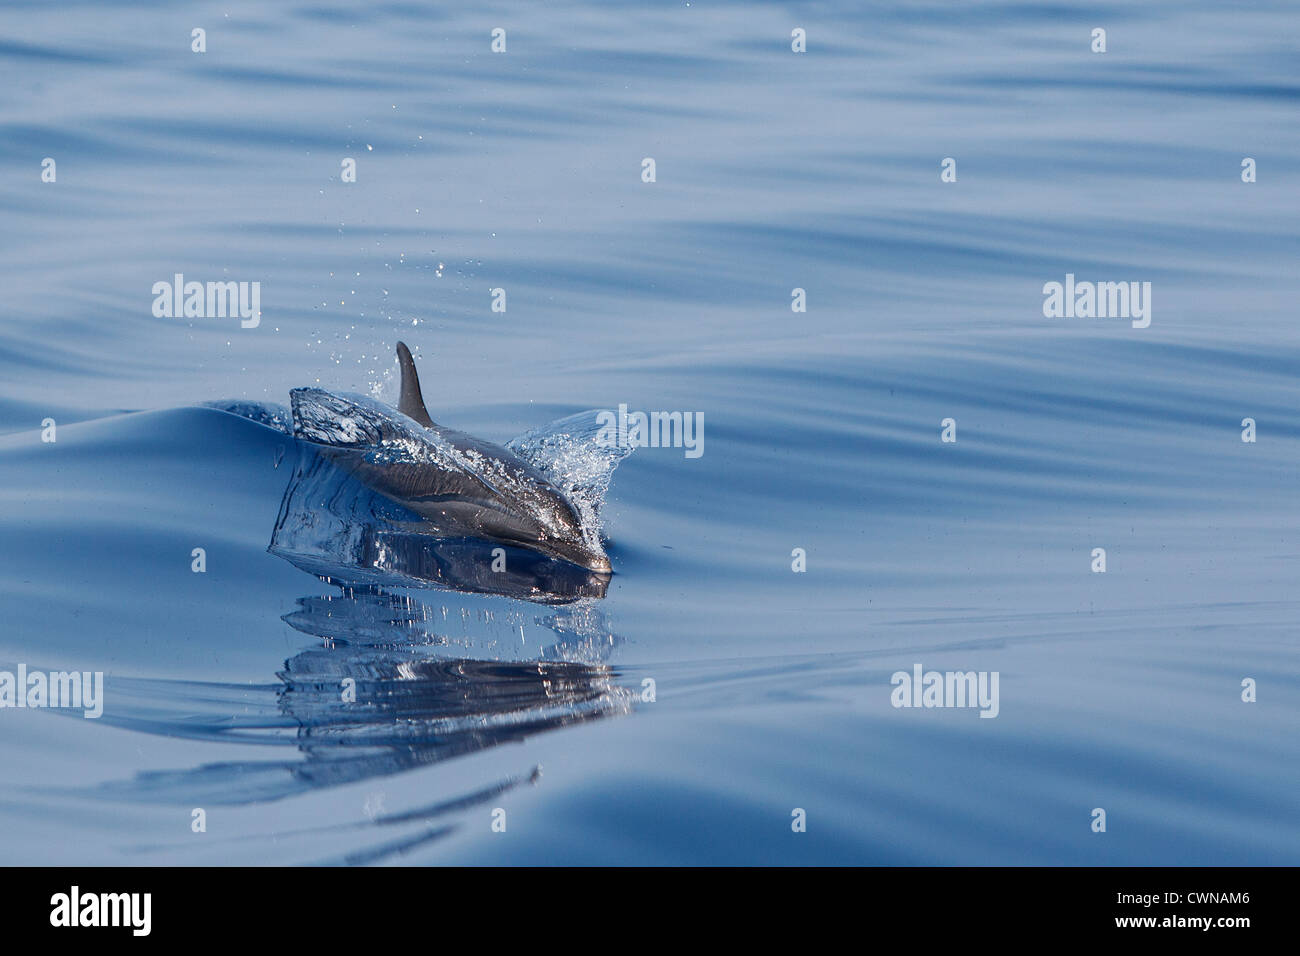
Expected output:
{"points": [[541, 492]]}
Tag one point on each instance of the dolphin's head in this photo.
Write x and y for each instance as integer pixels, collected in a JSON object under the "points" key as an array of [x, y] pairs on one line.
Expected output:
{"points": [[526, 507], [579, 553], [556, 529], [575, 549]]}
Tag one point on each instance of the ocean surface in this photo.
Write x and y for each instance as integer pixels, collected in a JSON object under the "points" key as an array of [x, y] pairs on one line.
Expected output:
{"points": [[708, 703]]}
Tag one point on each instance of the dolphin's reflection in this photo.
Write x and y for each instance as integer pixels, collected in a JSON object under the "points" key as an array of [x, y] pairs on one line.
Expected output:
{"points": [[382, 694], [412, 712], [388, 689]]}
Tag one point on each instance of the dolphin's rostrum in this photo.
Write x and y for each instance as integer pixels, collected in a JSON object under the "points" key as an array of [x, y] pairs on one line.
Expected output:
{"points": [[542, 491]]}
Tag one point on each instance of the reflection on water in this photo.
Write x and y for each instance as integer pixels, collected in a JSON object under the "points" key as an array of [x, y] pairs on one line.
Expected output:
{"points": [[410, 711], [386, 691], [382, 694]]}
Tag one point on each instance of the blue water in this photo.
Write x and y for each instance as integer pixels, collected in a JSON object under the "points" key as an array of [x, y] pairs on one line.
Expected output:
{"points": [[774, 171]]}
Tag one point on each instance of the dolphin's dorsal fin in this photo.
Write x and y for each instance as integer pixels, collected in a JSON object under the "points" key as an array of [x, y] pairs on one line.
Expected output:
{"points": [[411, 403]]}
